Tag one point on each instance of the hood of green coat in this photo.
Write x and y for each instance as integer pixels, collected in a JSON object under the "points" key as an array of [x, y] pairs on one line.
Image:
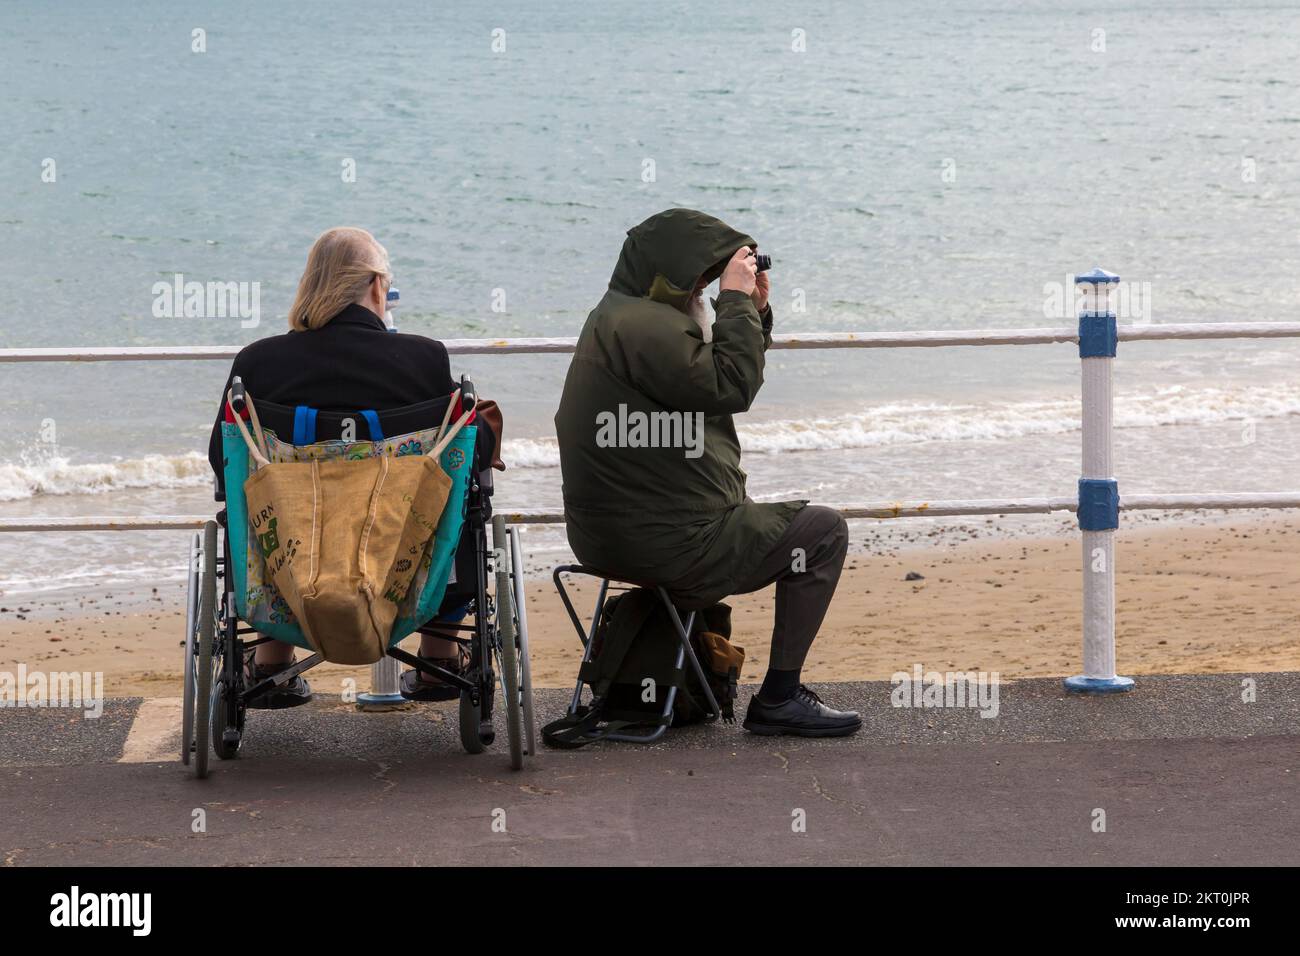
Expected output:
{"points": [[665, 256]]}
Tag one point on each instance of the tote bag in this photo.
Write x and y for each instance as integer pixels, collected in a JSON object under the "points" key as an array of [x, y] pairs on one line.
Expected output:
{"points": [[342, 540]]}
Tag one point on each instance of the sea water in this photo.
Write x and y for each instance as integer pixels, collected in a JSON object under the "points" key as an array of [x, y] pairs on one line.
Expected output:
{"points": [[908, 165]]}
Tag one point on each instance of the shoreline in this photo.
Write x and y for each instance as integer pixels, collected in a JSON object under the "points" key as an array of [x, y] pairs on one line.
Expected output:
{"points": [[1216, 596], [881, 537]]}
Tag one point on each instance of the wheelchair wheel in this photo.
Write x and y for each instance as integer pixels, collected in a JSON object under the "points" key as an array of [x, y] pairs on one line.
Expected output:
{"points": [[203, 665], [506, 648], [521, 629], [509, 651], [225, 710], [470, 738], [476, 730], [226, 713], [189, 644]]}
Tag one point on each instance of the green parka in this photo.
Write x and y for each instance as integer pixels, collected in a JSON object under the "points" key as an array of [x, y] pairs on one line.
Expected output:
{"points": [[676, 516]]}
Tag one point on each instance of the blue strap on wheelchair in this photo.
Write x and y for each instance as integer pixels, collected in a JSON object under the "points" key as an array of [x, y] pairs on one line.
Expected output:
{"points": [[304, 425], [372, 419]]}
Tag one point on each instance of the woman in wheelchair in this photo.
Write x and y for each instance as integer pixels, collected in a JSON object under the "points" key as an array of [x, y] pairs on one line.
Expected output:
{"points": [[339, 356]]}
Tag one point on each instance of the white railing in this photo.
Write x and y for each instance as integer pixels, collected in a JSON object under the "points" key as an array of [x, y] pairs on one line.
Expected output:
{"points": [[882, 510], [809, 340], [1096, 335]]}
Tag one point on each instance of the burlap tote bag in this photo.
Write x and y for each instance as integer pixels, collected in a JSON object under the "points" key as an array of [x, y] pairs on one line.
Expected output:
{"points": [[342, 539]]}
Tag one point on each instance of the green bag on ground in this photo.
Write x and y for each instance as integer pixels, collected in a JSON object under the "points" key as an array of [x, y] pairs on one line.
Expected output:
{"points": [[632, 666]]}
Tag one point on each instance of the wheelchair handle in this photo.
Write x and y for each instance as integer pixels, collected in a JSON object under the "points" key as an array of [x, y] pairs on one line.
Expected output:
{"points": [[468, 396], [238, 398]]}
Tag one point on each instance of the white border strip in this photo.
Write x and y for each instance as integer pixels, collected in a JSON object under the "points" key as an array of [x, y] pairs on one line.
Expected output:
{"points": [[881, 510], [810, 340]]}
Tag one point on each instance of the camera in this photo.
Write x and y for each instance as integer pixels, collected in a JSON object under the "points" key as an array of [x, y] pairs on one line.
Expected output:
{"points": [[762, 262]]}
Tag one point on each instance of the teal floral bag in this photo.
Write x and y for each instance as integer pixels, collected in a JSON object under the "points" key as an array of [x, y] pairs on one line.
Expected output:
{"points": [[258, 602]]}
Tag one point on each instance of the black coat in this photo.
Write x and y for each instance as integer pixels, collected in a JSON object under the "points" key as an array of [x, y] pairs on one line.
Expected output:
{"points": [[349, 364]]}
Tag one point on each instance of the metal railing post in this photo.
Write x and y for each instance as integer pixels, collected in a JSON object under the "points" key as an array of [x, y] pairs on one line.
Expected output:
{"points": [[385, 686], [1098, 491]]}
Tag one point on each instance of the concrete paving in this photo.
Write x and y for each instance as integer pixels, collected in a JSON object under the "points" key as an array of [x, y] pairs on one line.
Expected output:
{"points": [[1186, 772]]}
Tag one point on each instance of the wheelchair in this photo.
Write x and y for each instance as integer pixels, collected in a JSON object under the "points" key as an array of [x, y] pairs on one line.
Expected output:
{"points": [[489, 584]]}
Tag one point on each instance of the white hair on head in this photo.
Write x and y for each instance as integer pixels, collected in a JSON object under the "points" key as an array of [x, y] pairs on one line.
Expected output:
{"points": [[698, 309], [340, 267]]}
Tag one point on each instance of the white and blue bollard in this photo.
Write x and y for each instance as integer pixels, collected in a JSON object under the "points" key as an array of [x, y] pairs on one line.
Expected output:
{"points": [[385, 686], [1098, 491]]}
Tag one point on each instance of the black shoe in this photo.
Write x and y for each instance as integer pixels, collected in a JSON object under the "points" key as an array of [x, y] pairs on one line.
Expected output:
{"points": [[415, 687], [803, 715], [293, 693]]}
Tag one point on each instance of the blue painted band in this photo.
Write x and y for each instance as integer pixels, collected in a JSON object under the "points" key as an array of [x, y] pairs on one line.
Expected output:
{"points": [[304, 425], [369, 698], [1096, 277], [1098, 335], [376, 433], [1098, 685], [1098, 504]]}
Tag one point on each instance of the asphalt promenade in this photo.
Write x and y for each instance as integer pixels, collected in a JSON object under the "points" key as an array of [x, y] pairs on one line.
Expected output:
{"points": [[1182, 771]]}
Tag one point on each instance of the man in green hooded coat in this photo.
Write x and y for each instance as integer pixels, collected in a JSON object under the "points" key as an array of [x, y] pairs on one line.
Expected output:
{"points": [[653, 489]]}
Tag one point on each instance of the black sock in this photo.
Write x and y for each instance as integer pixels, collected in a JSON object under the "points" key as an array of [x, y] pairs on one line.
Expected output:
{"points": [[778, 686]]}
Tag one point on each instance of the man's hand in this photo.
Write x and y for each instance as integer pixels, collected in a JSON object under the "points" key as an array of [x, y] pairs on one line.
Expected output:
{"points": [[762, 288], [740, 272]]}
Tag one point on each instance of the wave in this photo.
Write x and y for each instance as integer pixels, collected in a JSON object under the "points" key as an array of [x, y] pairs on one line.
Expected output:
{"points": [[93, 578], [56, 475], [896, 423], [531, 453], [904, 423]]}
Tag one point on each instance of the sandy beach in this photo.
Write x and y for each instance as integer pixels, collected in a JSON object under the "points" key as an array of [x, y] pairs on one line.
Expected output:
{"points": [[1192, 598]]}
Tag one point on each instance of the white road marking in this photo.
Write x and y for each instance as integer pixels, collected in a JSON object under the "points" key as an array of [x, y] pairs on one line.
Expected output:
{"points": [[155, 734]]}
